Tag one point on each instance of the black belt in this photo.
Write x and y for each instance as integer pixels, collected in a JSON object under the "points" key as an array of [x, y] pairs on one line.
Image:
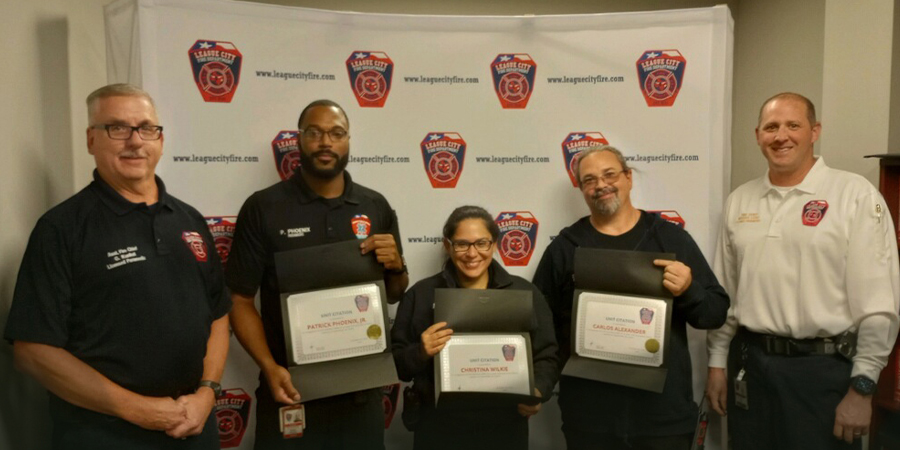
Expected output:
{"points": [[779, 345]]}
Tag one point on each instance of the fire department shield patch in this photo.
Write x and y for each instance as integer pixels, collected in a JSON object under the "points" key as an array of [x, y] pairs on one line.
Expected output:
{"points": [[577, 142], [232, 415], [518, 235], [814, 212], [287, 153], [195, 244], [370, 77], [362, 226], [217, 69], [222, 230], [443, 155], [661, 73], [513, 75]]}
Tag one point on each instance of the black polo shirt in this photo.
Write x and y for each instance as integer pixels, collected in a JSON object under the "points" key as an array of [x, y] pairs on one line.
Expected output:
{"points": [[131, 290], [288, 216]]}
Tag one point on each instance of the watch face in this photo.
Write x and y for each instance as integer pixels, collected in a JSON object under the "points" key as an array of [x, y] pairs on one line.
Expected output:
{"points": [[863, 385]]}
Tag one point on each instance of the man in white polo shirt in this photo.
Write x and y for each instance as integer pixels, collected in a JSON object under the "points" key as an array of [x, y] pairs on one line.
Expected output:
{"points": [[809, 257]]}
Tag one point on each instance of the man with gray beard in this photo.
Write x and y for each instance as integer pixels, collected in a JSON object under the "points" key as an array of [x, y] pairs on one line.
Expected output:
{"points": [[599, 415]]}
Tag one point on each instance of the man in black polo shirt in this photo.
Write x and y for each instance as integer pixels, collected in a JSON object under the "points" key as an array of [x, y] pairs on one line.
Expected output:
{"points": [[120, 307], [320, 204], [604, 416]]}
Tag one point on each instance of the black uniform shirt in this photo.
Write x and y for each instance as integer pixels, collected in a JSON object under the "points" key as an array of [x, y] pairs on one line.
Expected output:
{"points": [[288, 216], [131, 290]]}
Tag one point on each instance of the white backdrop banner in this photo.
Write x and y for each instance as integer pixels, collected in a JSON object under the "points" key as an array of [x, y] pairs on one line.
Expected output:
{"points": [[444, 111]]}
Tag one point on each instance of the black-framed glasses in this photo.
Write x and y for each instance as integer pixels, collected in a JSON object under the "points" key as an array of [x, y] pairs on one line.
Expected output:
{"points": [[124, 132], [609, 177], [315, 133], [482, 245]]}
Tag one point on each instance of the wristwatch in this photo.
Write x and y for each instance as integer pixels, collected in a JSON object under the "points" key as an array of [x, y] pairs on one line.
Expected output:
{"points": [[863, 385], [216, 387]]}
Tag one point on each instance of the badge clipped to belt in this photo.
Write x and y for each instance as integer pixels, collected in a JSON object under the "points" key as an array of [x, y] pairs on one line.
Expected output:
{"points": [[291, 421]]}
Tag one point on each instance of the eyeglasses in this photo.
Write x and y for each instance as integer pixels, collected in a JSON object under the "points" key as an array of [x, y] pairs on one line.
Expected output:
{"points": [[314, 134], [482, 245], [124, 132], [610, 177]]}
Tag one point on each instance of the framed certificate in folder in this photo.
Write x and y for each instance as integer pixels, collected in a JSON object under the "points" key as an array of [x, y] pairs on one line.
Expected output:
{"points": [[334, 313]]}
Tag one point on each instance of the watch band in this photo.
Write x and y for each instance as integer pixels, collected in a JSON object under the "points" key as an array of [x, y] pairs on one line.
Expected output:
{"points": [[216, 387]]}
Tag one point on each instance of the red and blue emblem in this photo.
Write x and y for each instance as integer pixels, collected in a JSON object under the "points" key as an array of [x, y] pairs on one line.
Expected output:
{"points": [[814, 212], [287, 153], [513, 75], [222, 230], [370, 77], [518, 235], [577, 142], [670, 216], [232, 416], [443, 155], [217, 69], [362, 226], [661, 73], [195, 244]]}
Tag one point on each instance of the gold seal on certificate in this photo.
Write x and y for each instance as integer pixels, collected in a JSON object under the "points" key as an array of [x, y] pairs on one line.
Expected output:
{"points": [[485, 363], [621, 328], [336, 323]]}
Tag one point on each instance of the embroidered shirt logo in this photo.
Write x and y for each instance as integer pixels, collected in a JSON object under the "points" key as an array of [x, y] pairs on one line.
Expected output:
{"points": [[294, 232], [122, 256]]}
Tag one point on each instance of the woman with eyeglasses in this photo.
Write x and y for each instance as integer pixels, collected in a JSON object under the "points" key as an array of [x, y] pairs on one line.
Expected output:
{"points": [[470, 240]]}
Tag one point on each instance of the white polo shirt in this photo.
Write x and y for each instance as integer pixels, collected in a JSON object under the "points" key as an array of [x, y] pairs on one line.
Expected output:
{"points": [[812, 260]]}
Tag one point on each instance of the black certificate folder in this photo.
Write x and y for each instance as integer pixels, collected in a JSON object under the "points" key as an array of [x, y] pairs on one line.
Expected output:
{"points": [[488, 361], [621, 319], [335, 317]]}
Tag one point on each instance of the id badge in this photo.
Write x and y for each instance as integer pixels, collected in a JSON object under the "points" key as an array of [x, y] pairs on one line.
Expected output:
{"points": [[740, 391], [292, 421]]}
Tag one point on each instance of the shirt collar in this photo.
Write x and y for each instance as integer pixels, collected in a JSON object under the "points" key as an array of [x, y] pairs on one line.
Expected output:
{"points": [[307, 195], [811, 183], [119, 204]]}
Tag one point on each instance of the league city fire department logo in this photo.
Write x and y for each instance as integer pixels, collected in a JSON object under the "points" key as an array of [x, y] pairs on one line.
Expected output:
{"points": [[390, 396], [513, 75], [195, 244], [287, 153], [361, 226], [370, 77], [646, 316], [518, 235], [814, 212], [509, 352], [574, 144], [222, 230], [661, 73], [217, 69], [670, 216], [443, 155], [232, 414]]}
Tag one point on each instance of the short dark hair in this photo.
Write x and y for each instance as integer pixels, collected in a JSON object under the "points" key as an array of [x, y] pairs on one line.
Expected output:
{"points": [[322, 102], [810, 108], [470, 212]]}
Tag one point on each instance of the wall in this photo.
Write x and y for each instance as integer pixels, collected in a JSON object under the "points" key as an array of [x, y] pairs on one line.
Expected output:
{"points": [[836, 52]]}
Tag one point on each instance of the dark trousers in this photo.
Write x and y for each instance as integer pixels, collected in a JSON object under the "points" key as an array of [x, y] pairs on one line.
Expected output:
{"points": [[352, 421], [585, 440], [439, 431], [792, 399]]}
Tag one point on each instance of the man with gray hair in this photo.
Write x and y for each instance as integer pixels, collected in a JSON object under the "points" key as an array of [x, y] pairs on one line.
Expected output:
{"points": [[120, 307], [599, 415]]}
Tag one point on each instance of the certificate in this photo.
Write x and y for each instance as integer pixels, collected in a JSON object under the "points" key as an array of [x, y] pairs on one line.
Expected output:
{"points": [[336, 323], [486, 363], [621, 328]]}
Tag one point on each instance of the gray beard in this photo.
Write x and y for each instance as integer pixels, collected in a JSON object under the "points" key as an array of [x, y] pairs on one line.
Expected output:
{"points": [[607, 207]]}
